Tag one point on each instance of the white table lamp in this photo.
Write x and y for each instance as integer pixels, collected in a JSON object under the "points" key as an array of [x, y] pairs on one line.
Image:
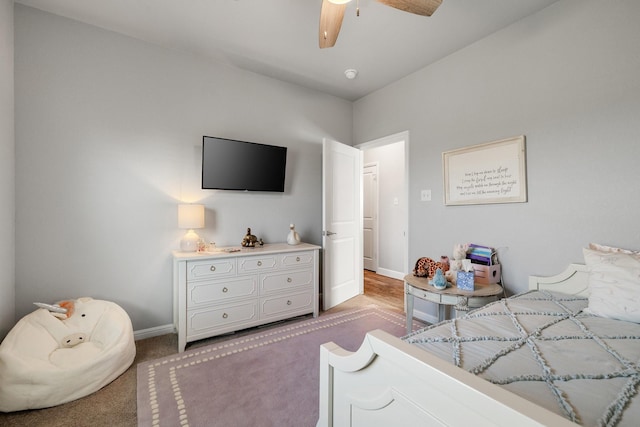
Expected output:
{"points": [[190, 217]]}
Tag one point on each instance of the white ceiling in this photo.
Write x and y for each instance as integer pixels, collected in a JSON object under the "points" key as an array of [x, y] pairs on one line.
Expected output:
{"points": [[279, 38]]}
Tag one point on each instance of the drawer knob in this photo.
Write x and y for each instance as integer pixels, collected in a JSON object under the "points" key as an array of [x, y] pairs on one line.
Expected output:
{"points": [[288, 302], [225, 315], [212, 268], [259, 263], [225, 290], [288, 279], [298, 259]]}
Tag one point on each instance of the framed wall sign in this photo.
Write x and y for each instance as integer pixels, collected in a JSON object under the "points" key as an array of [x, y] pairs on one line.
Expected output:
{"points": [[494, 172]]}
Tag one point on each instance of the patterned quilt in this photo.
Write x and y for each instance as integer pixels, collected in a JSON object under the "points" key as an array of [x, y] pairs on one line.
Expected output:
{"points": [[541, 346]]}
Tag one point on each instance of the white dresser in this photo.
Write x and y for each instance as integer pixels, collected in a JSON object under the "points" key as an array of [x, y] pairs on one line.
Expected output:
{"points": [[220, 292]]}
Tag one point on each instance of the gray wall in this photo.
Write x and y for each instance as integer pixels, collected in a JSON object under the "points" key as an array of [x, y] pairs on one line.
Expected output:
{"points": [[107, 136], [567, 78], [108, 139], [7, 262]]}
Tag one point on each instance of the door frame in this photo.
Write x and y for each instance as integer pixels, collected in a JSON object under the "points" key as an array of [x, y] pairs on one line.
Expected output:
{"points": [[392, 139]]}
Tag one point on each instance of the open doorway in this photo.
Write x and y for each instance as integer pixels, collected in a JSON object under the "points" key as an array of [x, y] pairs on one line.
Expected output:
{"points": [[385, 215]]}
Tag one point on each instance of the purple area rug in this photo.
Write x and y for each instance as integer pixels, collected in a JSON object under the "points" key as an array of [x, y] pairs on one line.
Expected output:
{"points": [[269, 378]]}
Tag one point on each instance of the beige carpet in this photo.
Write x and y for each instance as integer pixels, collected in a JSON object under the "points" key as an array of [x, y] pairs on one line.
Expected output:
{"points": [[115, 404]]}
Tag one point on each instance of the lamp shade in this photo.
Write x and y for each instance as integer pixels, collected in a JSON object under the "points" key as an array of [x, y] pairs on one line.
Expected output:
{"points": [[191, 216]]}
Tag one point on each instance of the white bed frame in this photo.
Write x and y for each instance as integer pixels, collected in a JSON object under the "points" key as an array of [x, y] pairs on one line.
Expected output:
{"points": [[389, 382]]}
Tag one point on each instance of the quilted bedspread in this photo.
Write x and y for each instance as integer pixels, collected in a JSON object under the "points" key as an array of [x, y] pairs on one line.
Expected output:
{"points": [[541, 346]]}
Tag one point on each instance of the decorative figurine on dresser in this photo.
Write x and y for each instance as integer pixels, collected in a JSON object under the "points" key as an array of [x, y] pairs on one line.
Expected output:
{"points": [[293, 238], [249, 240]]}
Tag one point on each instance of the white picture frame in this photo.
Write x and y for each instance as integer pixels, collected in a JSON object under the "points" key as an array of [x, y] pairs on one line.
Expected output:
{"points": [[493, 172]]}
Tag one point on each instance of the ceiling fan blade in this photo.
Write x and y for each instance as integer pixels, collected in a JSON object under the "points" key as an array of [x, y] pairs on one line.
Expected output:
{"points": [[419, 7], [330, 22]]}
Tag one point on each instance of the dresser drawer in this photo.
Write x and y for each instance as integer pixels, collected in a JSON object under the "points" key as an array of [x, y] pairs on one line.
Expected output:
{"points": [[230, 317], [210, 269], [287, 305], [224, 292], [199, 293], [274, 282], [254, 264], [297, 259]]}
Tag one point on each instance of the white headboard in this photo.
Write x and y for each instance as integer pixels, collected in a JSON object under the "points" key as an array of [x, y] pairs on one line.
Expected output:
{"points": [[572, 281]]}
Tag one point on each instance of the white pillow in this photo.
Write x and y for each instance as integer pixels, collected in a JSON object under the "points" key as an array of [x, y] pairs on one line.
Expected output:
{"points": [[614, 284], [605, 248]]}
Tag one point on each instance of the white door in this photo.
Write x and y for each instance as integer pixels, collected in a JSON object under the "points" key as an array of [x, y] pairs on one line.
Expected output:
{"points": [[370, 216], [341, 223]]}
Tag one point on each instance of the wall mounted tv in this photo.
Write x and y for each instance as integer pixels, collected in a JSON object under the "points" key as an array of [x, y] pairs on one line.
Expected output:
{"points": [[228, 164]]}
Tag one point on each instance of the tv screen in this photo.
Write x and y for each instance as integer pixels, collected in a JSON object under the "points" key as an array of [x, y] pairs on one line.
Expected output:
{"points": [[238, 165]]}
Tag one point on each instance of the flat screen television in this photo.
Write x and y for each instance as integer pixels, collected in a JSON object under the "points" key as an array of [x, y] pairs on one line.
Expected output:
{"points": [[228, 164]]}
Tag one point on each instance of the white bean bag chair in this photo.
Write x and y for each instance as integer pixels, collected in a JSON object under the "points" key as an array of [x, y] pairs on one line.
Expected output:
{"points": [[46, 361]]}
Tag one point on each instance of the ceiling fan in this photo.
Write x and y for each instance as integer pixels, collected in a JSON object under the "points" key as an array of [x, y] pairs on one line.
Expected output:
{"points": [[332, 12]]}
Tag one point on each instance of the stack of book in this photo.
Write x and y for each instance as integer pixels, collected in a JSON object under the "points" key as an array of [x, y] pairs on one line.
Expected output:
{"points": [[478, 254], [485, 264]]}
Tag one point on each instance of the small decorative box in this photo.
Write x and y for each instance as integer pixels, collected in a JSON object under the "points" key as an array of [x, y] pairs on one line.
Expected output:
{"points": [[464, 280], [487, 274]]}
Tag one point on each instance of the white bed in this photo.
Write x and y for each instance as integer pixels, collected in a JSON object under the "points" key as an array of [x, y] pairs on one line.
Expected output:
{"points": [[391, 382]]}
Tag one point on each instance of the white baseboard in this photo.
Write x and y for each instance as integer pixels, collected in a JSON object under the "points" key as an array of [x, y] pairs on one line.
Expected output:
{"points": [[425, 317], [169, 329], [390, 273], [154, 332]]}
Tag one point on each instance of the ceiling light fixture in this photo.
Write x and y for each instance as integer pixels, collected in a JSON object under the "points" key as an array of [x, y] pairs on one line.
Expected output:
{"points": [[351, 73], [339, 1]]}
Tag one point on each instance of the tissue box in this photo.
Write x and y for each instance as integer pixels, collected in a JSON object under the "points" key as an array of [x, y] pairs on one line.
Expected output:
{"points": [[487, 274], [465, 280]]}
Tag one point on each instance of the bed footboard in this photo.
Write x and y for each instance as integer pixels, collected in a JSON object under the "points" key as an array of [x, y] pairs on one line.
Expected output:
{"points": [[390, 382]]}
